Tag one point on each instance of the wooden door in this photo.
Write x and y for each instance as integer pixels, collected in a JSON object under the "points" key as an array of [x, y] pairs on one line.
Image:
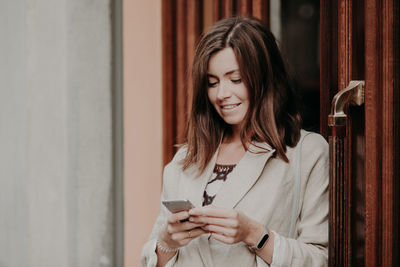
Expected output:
{"points": [[360, 41]]}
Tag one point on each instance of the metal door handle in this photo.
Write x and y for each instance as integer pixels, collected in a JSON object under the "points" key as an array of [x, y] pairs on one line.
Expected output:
{"points": [[339, 180], [353, 94]]}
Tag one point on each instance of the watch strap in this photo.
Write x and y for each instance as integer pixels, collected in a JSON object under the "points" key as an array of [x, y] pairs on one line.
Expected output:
{"points": [[260, 244]]}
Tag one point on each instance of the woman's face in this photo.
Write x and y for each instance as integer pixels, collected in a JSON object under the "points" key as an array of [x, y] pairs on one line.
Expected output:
{"points": [[226, 90]]}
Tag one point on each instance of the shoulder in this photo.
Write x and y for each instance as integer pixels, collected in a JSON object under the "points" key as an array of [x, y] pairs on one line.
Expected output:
{"points": [[314, 143], [179, 156], [172, 174], [175, 165], [314, 149]]}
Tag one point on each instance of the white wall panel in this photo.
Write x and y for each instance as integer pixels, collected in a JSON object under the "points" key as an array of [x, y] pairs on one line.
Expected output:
{"points": [[56, 182]]}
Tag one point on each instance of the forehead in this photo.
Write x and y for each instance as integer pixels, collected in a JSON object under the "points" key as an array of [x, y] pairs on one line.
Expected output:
{"points": [[223, 62]]}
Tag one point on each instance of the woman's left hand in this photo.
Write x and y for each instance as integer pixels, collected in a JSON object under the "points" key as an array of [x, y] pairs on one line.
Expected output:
{"points": [[227, 225]]}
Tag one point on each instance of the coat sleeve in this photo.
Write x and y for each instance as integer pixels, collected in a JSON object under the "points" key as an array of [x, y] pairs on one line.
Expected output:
{"points": [[149, 257], [310, 248]]}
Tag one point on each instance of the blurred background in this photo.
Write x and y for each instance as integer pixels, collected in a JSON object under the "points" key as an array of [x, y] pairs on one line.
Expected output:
{"points": [[93, 96]]}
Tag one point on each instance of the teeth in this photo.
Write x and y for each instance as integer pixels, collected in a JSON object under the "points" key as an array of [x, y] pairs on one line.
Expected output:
{"points": [[230, 106]]}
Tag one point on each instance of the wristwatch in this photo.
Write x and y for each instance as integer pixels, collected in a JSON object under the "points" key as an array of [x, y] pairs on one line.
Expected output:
{"points": [[262, 242]]}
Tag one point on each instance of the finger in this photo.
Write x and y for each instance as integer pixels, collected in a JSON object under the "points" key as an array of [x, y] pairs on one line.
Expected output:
{"points": [[180, 227], [212, 211], [220, 230], [177, 217], [178, 237], [224, 239], [197, 232], [193, 235], [228, 222]]}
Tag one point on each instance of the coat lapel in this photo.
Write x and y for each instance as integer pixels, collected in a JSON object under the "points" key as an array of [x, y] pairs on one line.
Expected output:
{"points": [[191, 187], [243, 176], [192, 184]]}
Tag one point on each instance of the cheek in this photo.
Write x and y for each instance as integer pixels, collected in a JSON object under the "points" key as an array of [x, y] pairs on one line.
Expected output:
{"points": [[243, 93], [211, 95]]}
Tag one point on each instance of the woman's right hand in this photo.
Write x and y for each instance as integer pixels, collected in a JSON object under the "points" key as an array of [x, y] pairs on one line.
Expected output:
{"points": [[179, 231]]}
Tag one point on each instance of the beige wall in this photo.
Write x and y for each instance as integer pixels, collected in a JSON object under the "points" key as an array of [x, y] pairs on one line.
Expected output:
{"points": [[142, 122]]}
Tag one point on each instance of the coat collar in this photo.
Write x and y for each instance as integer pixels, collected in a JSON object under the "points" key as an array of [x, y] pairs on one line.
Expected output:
{"points": [[241, 179], [244, 175], [193, 183]]}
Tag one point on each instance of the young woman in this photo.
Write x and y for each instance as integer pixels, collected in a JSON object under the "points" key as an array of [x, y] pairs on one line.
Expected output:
{"points": [[258, 182]]}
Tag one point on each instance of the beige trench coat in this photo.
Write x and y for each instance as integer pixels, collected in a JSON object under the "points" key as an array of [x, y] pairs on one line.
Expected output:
{"points": [[261, 186]]}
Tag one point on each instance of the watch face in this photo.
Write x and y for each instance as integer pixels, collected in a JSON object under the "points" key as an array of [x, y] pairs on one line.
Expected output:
{"points": [[263, 241]]}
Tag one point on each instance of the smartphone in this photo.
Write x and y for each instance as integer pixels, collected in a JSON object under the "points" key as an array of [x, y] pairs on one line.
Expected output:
{"points": [[178, 205]]}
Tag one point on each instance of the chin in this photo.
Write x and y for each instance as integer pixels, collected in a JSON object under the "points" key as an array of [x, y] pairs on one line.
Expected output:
{"points": [[233, 122]]}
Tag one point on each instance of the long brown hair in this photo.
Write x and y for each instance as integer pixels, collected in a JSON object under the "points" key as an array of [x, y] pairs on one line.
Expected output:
{"points": [[273, 116]]}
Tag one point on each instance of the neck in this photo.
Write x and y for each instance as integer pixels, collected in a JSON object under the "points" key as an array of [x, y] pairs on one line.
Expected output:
{"points": [[235, 136]]}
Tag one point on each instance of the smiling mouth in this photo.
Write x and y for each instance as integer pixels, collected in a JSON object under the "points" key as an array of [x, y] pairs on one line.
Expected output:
{"points": [[228, 107]]}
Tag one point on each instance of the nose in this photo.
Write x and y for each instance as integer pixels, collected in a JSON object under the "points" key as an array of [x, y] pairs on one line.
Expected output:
{"points": [[224, 91]]}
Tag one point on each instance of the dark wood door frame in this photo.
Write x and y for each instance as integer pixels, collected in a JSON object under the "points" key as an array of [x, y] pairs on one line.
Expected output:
{"points": [[382, 132], [373, 55]]}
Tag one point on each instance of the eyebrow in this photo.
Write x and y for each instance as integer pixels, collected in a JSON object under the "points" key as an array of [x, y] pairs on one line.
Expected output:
{"points": [[227, 73]]}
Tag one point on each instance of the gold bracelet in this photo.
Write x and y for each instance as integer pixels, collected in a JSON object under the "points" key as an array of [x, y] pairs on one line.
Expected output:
{"points": [[165, 249]]}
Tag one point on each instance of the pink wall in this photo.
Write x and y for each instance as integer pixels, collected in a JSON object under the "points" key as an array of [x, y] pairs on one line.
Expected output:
{"points": [[142, 122]]}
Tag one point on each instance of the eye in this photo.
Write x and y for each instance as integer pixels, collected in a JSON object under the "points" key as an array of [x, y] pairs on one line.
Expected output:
{"points": [[238, 80], [211, 84]]}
